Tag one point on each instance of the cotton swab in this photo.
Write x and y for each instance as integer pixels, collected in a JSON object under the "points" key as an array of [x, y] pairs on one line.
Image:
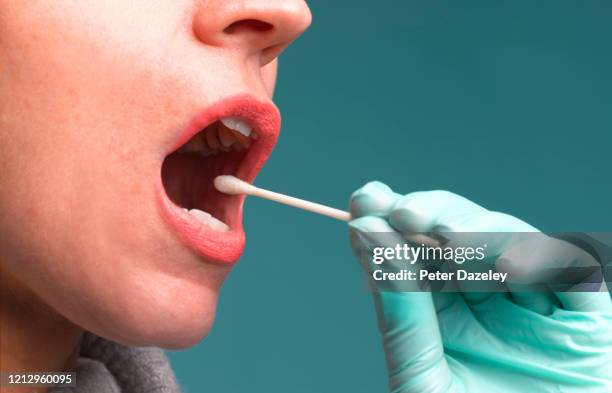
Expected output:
{"points": [[228, 184], [232, 185]]}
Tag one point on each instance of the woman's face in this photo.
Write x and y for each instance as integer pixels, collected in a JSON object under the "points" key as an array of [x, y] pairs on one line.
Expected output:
{"points": [[96, 97]]}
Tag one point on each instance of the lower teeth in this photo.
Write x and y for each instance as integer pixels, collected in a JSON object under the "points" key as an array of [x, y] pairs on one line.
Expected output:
{"points": [[209, 220]]}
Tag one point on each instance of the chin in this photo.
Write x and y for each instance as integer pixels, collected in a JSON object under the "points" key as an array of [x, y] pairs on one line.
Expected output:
{"points": [[169, 329], [166, 312], [181, 329]]}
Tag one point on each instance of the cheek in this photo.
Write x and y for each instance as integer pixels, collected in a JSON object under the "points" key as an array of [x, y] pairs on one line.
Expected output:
{"points": [[107, 270]]}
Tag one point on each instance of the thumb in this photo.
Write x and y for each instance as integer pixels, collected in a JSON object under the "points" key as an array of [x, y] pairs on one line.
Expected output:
{"points": [[407, 322]]}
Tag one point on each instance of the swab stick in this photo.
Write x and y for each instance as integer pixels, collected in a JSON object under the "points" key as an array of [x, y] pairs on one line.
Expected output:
{"points": [[232, 185], [228, 184]]}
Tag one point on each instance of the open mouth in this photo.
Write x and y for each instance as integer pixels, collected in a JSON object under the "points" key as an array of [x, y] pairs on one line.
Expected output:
{"points": [[188, 173], [232, 137]]}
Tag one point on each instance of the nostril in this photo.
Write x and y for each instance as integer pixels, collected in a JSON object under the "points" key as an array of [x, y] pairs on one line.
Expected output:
{"points": [[248, 25]]}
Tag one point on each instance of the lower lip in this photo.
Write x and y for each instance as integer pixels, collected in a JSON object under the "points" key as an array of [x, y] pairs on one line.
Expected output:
{"points": [[222, 247]]}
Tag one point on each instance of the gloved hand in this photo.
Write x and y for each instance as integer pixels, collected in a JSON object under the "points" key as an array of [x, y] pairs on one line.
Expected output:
{"points": [[485, 342]]}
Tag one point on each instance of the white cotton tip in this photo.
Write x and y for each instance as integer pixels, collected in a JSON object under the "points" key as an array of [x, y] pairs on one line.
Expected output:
{"points": [[230, 185]]}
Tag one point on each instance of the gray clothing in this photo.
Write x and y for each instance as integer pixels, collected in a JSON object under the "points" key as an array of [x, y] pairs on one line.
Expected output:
{"points": [[108, 367]]}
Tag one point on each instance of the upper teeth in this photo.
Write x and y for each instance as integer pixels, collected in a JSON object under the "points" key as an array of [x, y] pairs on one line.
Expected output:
{"points": [[232, 133], [237, 125]]}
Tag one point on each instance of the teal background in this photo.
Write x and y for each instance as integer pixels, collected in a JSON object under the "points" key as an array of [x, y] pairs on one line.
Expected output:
{"points": [[506, 103]]}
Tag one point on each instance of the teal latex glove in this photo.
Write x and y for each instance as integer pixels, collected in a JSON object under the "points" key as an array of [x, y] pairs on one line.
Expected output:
{"points": [[484, 342]]}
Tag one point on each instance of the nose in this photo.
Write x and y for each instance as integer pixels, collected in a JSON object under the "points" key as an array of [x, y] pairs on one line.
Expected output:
{"points": [[256, 27]]}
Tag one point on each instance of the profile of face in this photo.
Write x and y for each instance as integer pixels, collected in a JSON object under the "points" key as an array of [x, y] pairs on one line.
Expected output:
{"points": [[115, 117]]}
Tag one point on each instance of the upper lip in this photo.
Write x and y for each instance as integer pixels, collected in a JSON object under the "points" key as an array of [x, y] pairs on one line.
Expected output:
{"points": [[264, 118]]}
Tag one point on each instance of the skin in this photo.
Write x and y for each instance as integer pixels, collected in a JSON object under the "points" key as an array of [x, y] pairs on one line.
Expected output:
{"points": [[92, 93]]}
